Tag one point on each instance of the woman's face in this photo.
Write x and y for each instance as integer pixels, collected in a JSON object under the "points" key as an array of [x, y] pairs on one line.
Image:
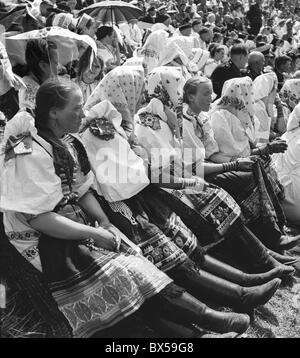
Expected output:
{"points": [[68, 119], [90, 74], [201, 100], [91, 31], [220, 55]]}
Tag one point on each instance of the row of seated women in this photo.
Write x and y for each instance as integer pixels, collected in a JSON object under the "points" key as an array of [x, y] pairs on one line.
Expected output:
{"points": [[134, 208]]}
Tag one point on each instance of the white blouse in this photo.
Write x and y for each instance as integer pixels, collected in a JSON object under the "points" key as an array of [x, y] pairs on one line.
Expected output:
{"points": [[231, 135]]}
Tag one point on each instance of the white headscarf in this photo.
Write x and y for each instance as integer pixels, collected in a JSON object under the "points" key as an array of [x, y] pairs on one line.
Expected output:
{"points": [[64, 20], [195, 56], [290, 93], [294, 119], [122, 87], [263, 85], [237, 96]]}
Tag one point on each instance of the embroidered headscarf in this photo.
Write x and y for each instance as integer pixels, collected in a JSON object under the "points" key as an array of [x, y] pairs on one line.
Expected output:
{"points": [[197, 57], [166, 84], [237, 96], [290, 93], [263, 85], [153, 47], [122, 87], [163, 87], [294, 119]]}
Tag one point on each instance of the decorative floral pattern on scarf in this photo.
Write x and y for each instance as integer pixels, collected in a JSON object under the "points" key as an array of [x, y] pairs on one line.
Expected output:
{"points": [[237, 95], [122, 87], [290, 93], [166, 84]]}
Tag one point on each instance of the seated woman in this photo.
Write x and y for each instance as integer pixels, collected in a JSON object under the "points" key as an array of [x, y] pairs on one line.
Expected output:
{"points": [[89, 77], [216, 56], [290, 96], [137, 210], [234, 126], [165, 85], [108, 47], [42, 61], [95, 279], [123, 88], [287, 166], [264, 96]]}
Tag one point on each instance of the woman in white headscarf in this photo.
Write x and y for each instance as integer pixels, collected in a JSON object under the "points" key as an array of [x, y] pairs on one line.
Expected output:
{"points": [[139, 211], [264, 95], [288, 168], [235, 124], [290, 96], [255, 191], [122, 87]]}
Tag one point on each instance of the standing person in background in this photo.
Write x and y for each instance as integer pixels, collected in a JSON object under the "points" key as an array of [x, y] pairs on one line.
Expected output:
{"points": [[282, 69], [254, 17], [231, 69]]}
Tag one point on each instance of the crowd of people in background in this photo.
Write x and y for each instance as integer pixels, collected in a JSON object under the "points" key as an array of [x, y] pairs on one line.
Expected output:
{"points": [[85, 254]]}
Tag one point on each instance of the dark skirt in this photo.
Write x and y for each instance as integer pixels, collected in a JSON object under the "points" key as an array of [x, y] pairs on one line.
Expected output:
{"points": [[258, 193], [29, 310], [149, 223]]}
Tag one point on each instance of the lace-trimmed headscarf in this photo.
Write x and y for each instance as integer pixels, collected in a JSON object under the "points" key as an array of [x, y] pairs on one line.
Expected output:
{"points": [[237, 98], [290, 93]]}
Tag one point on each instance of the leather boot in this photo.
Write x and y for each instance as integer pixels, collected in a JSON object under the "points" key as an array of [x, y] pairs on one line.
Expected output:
{"points": [[187, 308], [257, 252], [234, 275], [210, 288], [286, 243], [284, 259]]}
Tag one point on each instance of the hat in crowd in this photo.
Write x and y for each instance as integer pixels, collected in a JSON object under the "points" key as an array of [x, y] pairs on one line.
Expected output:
{"points": [[63, 6], [185, 26], [171, 12], [162, 7], [196, 22], [82, 21], [263, 47], [151, 8], [163, 18]]}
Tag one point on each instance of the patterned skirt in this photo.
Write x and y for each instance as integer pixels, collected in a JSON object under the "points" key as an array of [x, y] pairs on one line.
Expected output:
{"points": [[95, 288], [258, 193], [156, 229]]}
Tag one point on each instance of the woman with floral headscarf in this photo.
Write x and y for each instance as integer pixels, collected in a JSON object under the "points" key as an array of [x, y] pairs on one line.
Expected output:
{"points": [[290, 96], [139, 211], [288, 167], [122, 87], [235, 131], [159, 131]]}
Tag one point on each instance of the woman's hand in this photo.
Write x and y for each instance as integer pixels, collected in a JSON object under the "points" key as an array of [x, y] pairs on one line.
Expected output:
{"points": [[278, 146], [245, 164]]}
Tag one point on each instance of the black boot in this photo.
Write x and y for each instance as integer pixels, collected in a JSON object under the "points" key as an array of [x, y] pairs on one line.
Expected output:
{"points": [[286, 243], [254, 250], [210, 288], [186, 308], [234, 275], [284, 259]]}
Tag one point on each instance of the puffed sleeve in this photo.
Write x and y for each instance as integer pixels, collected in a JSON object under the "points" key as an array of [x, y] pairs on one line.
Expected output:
{"points": [[28, 182]]}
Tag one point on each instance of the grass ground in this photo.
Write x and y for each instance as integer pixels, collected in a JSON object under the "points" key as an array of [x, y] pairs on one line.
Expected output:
{"points": [[280, 317]]}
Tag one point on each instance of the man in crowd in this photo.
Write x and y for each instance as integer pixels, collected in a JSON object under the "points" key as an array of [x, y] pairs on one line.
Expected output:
{"points": [[231, 69]]}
